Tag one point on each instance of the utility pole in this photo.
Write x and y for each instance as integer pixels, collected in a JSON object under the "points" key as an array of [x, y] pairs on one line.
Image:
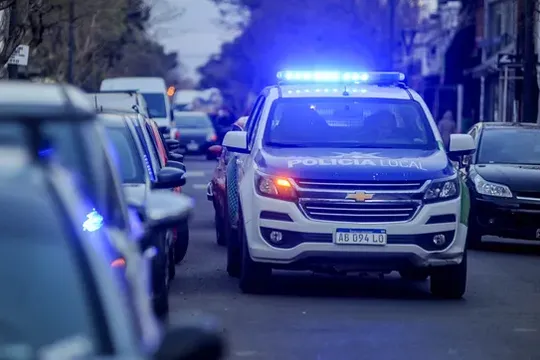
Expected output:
{"points": [[392, 29], [530, 99], [13, 70], [71, 41]]}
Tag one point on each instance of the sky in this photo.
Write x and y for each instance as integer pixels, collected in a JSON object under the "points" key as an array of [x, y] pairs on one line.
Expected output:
{"points": [[191, 28]]}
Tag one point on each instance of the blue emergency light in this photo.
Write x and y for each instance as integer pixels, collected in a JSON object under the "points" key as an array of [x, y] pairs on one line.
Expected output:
{"points": [[313, 77]]}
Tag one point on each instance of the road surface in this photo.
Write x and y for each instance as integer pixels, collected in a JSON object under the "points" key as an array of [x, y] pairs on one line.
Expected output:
{"points": [[323, 318]]}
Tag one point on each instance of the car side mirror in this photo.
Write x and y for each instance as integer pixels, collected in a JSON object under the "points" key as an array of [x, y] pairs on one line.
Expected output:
{"points": [[176, 156], [176, 165], [191, 342], [172, 144], [236, 141], [166, 210], [169, 177], [460, 145], [216, 150]]}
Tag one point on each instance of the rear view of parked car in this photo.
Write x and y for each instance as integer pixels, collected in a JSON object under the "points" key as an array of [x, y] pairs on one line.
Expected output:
{"points": [[195, 132]]}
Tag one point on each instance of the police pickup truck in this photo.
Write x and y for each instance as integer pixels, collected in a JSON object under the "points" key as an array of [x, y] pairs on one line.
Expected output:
{"points": [[346, 172]]}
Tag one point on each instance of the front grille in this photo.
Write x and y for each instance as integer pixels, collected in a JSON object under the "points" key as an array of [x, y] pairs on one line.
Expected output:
{"points": [[532, 195], [375, 212], [360, 185]]}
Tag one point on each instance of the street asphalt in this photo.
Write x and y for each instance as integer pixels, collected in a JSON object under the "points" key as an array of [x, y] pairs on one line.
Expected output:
{"points": [[326, 318]]}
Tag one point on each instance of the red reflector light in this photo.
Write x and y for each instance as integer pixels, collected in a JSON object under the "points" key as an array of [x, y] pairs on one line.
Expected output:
{"points": [[120, 262]]}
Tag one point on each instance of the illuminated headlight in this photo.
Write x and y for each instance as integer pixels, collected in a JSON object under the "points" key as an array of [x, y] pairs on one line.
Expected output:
{"points": [[275, 187], [491, 189], [442, 190]]}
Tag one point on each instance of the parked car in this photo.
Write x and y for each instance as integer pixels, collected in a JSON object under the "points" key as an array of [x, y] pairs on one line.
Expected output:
{"points": [[140, 180], [503, 178], [195, 132], [216, 190], [75, 305]]}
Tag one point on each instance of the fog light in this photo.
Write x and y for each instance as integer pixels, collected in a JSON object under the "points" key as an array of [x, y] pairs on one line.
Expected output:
{"points": [[276, 236], [439, 239], [491, 221]]}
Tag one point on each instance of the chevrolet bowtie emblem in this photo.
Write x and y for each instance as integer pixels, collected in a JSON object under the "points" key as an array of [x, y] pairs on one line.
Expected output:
{"points": [[359, 196]]}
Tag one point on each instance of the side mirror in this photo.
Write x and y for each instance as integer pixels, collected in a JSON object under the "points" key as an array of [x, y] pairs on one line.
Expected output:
{"points": [[191, 342], [176, 156], [216, 150], [460, 145], [172, 144], [166, 209], [169, 177], [176, 165], [236, 141]]}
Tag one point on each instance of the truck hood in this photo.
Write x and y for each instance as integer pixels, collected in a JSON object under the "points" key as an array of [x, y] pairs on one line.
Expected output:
{"points": [[517, 177], [354, 164]]}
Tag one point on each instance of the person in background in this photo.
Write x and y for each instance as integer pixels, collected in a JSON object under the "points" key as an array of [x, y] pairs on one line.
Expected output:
{"points": [[447, 126]]}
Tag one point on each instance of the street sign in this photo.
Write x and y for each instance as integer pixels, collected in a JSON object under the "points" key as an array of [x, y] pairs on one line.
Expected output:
{"points": [[408, 36], [20, 56], [508, 59]]}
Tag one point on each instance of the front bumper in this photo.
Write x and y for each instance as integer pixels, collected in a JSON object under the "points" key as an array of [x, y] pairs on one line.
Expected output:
{"points": [[309, 243], [510, 218]]}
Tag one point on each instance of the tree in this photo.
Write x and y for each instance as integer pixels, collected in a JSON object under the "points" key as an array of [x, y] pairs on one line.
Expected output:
{"points": [[345, 34]]}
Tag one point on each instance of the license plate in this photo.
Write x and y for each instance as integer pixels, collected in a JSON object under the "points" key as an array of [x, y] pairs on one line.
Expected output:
{"points": [[192, 147], [360, 237]]}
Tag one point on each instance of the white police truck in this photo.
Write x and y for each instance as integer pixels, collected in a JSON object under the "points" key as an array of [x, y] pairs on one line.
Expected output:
{"points": [[346, 172]]}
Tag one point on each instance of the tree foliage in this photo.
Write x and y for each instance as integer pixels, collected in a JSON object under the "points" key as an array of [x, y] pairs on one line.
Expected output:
{"points": [[347, 34], [110, 40]]}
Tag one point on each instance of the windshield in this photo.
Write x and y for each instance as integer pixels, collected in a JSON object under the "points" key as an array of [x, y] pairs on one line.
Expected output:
{"points": [[498, 146], [193, 122], [156, 105], [363, 123], [45, 301], [127, 156]]}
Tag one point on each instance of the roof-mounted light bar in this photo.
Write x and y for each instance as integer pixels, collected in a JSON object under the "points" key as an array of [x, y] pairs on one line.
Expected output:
{"points": [[315, 77]]}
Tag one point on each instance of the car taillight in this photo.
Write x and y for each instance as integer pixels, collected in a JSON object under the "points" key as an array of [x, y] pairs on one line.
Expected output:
{"points": [[275, 187], [177, 135], [120, 262]]}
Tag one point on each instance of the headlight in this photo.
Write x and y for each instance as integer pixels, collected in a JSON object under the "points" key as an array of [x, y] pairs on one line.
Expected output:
{"points": [[442, 190], [275, 187], [211, 137], [491, 189]]}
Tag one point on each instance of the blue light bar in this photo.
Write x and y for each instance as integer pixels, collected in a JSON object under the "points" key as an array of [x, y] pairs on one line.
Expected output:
{"points": [[313, 77]]}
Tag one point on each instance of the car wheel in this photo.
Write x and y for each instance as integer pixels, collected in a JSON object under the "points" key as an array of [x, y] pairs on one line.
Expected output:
{"points": [[181, 244], [474, 237], [414, 274], [161, 283], [172, 264], [220, 236], [450, 282], [253, 276], [234, 253]]}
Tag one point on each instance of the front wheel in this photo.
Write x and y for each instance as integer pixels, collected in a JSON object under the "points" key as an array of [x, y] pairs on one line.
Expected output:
{"points": [[220, 231], [450, 281], [253, 276], [181, 244]]}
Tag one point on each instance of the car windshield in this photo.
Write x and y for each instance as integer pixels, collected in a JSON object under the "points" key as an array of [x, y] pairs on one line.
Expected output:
{"points": [[193, 122], [126, 155], [498, 146], [363, 123], [46, 300], [155, 103]]}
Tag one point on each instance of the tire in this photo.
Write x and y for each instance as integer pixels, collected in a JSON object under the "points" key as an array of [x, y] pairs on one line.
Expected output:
{"points": [[474, 238], [253, 276], [234, 251], [172, 264], [414, 274], [450, 282], [181, 244], [220, 236], [161, 282]]}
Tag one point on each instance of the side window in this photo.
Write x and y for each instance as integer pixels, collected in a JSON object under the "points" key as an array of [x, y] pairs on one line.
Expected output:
{"points": [[249, 120], [254, 120]]}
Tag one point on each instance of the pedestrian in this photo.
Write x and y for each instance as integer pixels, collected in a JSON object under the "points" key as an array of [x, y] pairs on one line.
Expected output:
{"points": [[447, 126]]}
